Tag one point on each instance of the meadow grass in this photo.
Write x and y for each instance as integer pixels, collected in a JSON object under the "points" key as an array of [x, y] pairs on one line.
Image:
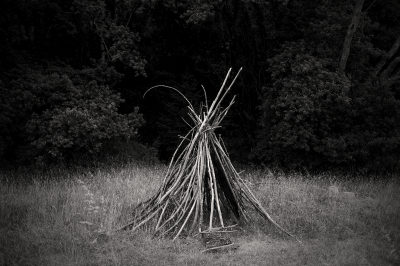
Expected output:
{"points": [[62, 217]]}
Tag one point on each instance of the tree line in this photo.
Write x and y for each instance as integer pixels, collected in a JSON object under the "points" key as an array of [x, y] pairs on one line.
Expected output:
{"points": [[319, 87]]}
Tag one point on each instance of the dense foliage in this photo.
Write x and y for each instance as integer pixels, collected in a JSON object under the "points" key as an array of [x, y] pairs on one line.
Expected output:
{"points": [[320, 86], [308, 105]]}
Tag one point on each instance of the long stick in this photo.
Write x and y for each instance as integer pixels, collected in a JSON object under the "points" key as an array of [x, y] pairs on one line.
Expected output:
{"points": [[212, 171], [210, 111]]}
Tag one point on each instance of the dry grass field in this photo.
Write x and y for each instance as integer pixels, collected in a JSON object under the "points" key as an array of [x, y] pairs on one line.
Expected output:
{"points": [[67, 218]]}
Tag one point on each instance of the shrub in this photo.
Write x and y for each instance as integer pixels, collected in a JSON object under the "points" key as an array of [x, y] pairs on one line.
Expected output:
{"points": [[314, 117], [69, 113], [304, 111]]}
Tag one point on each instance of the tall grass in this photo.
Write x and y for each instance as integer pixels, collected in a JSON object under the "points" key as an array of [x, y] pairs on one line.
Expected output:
{"points": [[68, 218]]}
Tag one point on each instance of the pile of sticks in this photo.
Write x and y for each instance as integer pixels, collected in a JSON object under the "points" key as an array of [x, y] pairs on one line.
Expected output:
{"points": [[201, 191]]}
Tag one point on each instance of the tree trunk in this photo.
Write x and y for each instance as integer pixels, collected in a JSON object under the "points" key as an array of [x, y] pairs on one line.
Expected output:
{"points": [[350, 34], [386, 57], [389, 76]]}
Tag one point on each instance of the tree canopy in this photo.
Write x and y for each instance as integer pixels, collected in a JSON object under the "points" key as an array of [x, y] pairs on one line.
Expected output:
{"points": [[319, 87]]}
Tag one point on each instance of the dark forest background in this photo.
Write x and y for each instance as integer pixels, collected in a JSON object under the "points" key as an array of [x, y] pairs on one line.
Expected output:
{"points": [[320, 86]]}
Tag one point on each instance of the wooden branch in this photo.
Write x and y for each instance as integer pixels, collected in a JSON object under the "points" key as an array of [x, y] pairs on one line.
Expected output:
{"points": [[386, 57], [102, 40], [394, 80], [389, 76], [350, 34], [133, 11], [386, 74]]}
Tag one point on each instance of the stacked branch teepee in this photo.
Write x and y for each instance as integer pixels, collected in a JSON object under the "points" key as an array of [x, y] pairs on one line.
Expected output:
{"points": [[201, 190]]}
